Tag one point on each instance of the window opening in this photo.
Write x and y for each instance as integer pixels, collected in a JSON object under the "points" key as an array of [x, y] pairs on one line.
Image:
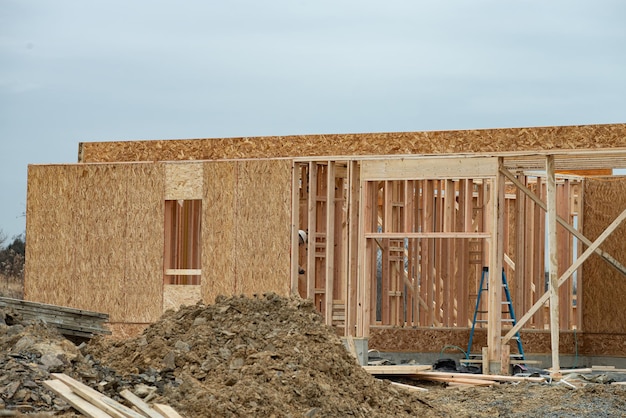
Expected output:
{"points": [[182, 258]]}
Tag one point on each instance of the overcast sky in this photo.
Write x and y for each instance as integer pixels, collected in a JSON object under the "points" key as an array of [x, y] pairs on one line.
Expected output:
{"points": [[73, 71]]}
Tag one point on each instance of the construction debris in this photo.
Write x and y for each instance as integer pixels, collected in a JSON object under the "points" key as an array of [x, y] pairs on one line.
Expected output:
{"points": [[71, 322], [263, 356]]}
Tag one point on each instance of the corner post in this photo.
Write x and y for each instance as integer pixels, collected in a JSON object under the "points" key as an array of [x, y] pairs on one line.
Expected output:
{"points": [[496, 255]]}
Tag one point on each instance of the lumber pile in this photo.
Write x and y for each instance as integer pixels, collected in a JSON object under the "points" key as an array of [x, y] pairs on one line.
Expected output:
{"points": [[94, 404], [69, 321], [423, 372]]}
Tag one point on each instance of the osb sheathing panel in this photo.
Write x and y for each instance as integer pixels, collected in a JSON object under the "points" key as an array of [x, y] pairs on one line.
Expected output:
{"points": [[175, 296], [183, 181], [435, 142], [84, 221], [263, 214], [246, 228], [50, 222], [218, 230], [144, 241], [604, 289]]}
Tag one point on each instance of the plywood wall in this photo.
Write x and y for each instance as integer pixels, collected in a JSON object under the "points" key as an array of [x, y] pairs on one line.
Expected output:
{"points": [[263, 227], [51, 205], [246, 228], [435, 142], [96, 239], [218, 230], [143, 242], [604, 288]]}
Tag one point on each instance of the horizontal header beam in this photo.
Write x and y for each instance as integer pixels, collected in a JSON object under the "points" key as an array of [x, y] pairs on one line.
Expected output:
{"points": [[431, 168]]}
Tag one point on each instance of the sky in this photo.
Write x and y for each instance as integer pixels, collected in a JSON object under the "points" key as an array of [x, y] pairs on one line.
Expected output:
{"points": [[80, 71]]}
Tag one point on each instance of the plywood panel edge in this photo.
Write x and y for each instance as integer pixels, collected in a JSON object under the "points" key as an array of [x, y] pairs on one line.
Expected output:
{"points": [[391, 143]]}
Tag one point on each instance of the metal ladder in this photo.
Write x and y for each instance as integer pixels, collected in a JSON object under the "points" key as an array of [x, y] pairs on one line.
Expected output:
{"points": [[484, 286]]}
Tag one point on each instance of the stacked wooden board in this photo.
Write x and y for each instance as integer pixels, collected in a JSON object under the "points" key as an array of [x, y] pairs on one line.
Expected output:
{"points": [[94, 404], [69, 321], [424, 372]]}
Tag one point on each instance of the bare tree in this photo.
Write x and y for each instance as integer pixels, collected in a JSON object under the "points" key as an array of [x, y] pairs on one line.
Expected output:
{"points": [[3, 238]]}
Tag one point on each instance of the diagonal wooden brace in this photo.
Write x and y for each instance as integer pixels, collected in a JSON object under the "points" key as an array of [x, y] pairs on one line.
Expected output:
{"points": [[606, 256], [590, 250]]}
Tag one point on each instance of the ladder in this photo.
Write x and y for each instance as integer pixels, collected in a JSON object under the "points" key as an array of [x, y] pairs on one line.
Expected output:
{"points": [[484, 286]]}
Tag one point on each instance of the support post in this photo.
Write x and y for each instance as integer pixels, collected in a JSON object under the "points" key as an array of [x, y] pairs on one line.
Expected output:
{"points": [[353, 242], [295, 216], [553, 264], [496, 255], [330, 243], [312, 232]]}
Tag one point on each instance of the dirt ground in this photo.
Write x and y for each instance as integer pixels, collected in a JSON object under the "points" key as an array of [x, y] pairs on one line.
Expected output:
{"points": [[265, 356]]}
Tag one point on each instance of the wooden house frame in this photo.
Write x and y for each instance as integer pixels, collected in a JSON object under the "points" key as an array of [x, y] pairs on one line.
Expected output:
{"points": [[399, 228]]}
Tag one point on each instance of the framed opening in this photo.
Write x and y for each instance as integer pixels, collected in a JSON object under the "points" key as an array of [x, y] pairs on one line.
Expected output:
{"points": [[182, 253]]}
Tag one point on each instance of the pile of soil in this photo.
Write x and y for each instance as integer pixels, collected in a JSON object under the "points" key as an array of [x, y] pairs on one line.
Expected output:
{"points": [[263, 356], [266, 356]]}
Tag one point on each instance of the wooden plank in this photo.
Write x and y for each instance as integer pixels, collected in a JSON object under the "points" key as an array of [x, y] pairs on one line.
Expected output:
{"points": [[312, 231], [330, 242], [353, 243], [450, 234], [183, 272], [143, 407], [295, 224], [399, 370], [428, 256], [429, 168], [494, 377], [462, 381], [44, 306], [103, 402], [166, 410], [366, 206], [409, 387], [496, 254], [553, 263], [76, 401], [521, 284]]}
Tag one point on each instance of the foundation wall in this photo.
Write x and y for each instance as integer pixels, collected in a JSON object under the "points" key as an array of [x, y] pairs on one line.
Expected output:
{"points": [[434, 340], [435, 142]]}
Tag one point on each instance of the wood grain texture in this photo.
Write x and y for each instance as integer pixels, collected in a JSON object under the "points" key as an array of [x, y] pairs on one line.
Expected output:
{"points": [[604, 288], [50, 211], [218, 230], [434, 142]]}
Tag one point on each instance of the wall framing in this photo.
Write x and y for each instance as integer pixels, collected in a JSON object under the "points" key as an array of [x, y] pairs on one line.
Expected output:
{"points": [[254, 204]]}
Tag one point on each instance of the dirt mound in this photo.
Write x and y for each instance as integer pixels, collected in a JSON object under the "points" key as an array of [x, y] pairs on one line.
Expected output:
{"points": [[265, 356]]}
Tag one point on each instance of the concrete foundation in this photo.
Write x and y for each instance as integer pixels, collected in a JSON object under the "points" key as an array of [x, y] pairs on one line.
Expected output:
{"points": [[361, 347], [540, 361]]}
